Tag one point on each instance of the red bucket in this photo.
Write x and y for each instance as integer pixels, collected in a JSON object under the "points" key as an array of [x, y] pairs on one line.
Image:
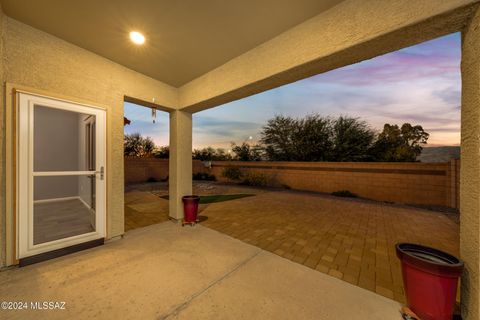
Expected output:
{"points": [[430, 278], [190, 208]]}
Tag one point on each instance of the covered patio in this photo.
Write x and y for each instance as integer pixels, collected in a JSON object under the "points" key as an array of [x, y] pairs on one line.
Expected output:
{"points": [[167, 272], [199, 55]]}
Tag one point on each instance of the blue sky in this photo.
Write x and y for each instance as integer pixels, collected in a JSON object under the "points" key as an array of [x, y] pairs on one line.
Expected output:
{"points": [[419, 84]]}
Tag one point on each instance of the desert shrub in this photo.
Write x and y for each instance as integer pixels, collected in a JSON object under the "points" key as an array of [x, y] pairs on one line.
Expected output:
{"points": [[135, 145], [254, 179], [344, 193], [232, 173], [204, 176]]}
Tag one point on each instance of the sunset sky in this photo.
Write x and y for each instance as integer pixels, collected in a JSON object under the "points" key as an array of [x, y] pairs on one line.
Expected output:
{"points": [[419, 84]]}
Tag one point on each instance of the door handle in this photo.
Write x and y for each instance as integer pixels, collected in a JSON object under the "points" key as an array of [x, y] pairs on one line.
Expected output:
{"points": [[101, 173]]}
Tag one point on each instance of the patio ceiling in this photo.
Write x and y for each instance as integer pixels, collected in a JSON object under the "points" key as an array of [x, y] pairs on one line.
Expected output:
{"points": [[185, 39]]}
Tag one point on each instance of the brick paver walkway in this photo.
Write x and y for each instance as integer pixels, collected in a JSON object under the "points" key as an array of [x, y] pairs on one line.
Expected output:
{"points": [[353, 240], [142, 208], [144, 205]]}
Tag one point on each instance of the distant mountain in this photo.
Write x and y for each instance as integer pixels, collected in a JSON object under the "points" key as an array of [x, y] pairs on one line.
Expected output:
{"points": [[439, 154]]}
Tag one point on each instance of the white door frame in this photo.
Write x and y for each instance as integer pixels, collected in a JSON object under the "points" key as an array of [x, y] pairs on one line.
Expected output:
{"points": [[25, 174]]}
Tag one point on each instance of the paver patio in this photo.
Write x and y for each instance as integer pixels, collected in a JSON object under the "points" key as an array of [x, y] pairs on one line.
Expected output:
{"points": [[143, 208], [349, 239]]}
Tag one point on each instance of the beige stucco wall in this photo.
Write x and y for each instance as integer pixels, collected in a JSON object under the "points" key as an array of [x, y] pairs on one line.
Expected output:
{"points": [[180, 165], [352, 31], [2, 149], [38, 60], [470, 170]]}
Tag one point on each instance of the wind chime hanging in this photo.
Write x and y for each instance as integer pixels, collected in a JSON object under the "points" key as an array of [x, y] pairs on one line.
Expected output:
{"points": [[154, 114]]}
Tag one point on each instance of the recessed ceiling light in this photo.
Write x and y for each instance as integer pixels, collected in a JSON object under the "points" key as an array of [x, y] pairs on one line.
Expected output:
{"points": [[137, 37]]}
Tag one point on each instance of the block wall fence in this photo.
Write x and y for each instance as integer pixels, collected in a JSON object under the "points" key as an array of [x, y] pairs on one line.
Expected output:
{"points": [[435, 184]]}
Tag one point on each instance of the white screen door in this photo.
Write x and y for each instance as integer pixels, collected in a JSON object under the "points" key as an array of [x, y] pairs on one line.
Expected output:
{"points": [[60, 174]]}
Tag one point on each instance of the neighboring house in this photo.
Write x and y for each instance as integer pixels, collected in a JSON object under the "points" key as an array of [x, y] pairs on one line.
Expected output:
{"points": [[79, 69]]}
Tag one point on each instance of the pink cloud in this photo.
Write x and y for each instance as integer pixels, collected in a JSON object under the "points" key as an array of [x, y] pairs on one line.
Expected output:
{"points": [[394, 67]]}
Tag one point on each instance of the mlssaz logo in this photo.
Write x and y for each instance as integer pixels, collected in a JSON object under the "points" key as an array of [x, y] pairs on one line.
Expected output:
{"points": [[47, 305]]}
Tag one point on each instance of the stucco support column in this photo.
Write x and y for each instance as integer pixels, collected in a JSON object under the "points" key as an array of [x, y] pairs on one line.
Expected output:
{"points": [[180, 164], [470, 169]]}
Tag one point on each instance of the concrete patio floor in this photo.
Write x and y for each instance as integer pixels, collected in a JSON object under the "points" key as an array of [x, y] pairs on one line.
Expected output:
{"points": [[165, 271]]}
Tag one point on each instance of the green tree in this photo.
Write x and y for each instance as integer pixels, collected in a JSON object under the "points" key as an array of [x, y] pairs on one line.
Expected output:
{"points": [[137, 146], [313, 137], [162, 152], [246, 152], [317, 138], [277, 137], [221, 155], [397, 144], [289, 139], [352, 140], [205, 154], [211, 154]]}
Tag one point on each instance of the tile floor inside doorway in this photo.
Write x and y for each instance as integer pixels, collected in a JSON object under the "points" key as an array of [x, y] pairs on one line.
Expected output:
{"points": [[55, 220]]}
